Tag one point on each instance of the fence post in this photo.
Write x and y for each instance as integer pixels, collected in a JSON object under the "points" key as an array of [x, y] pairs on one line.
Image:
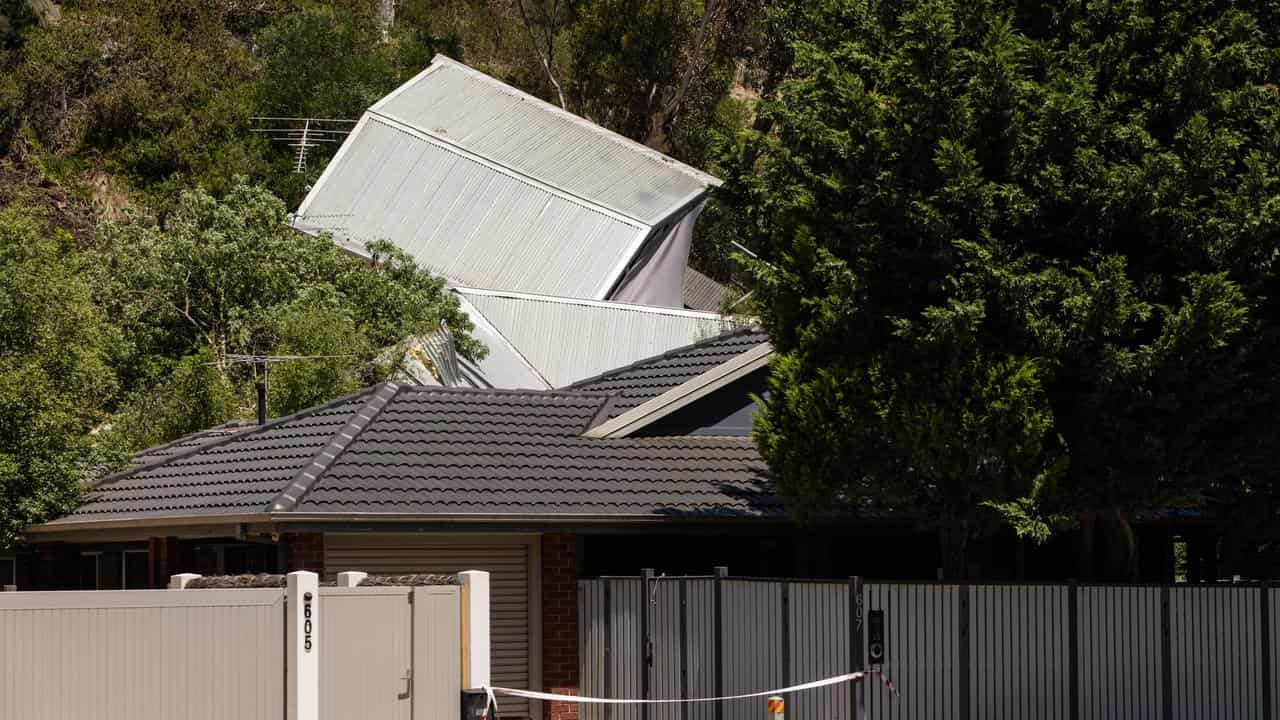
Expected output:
{"points": [[607, 592], [646, 642], [475, 628], [181, 580], [1073, 645], [302, 646], [1166, 655], [1265, 627], [720, 573], [351, 578], [965, 680], [684, 649], [857, 641]]}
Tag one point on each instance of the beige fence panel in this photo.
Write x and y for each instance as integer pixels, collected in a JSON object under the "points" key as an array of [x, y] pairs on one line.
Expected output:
{"points": [[142, 655], [437, 653]]}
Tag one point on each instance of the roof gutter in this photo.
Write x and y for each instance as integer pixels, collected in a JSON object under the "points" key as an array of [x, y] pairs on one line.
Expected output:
{"points": [[235, 525]]}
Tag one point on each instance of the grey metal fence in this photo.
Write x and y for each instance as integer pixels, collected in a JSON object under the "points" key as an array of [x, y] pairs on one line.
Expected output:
{"points": [[955, 651]]}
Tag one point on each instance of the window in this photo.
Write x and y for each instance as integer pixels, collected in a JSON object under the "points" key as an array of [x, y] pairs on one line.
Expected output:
{"points": [[135, 569], [89, 563], [8, 571]]}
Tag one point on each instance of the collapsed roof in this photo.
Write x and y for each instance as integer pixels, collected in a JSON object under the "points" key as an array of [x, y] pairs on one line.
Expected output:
{"points": [[540, 342], [493, 188]]}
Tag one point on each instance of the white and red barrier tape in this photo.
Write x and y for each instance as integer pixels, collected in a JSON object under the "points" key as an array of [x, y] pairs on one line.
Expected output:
{"points": [[535, 695]]}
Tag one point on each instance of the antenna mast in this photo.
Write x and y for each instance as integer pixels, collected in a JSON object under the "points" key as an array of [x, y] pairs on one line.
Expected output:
{"points": [[303, 133], [262, 368]]}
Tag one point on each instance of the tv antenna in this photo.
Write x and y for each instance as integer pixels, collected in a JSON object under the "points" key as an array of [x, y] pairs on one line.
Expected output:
{"points": [[303, 134], [262, 368]]}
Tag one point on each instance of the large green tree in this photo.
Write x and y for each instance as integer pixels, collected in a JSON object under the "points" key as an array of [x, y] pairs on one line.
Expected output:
{"points": [[1019, 260], [55, 377], [222, 276]]}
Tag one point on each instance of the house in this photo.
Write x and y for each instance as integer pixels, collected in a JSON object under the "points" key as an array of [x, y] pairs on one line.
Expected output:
{"points": [[647, 465], [492, 188]]}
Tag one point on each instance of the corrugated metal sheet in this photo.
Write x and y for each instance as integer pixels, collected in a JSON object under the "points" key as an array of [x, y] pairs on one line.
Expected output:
{"points": [[752, 636], [818, 636], [922, 651], [1216, 651], [520, 131], [1019, 652], [953, 651], [568, 340], [1119, 653], [464, 218]]}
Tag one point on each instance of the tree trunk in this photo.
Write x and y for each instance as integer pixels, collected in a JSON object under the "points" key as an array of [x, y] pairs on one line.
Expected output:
{"points": [[953, 539], [1084, 561], [1120, 549]]}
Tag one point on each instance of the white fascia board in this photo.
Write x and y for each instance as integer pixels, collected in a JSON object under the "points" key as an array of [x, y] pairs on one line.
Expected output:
{"points": [[620, 268], [609, 304], [328, 169], [622, 140], [683, 394], [410, 83]]}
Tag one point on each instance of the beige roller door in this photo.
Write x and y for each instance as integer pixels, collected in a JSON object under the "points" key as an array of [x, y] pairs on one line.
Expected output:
{"points": [[511, 561]]}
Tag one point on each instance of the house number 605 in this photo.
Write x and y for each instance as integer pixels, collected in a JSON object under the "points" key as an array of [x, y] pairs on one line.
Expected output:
{"points": [[306, 622]]}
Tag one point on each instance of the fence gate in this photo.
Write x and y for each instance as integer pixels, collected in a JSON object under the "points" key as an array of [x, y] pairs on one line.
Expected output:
{"points": [[955, 651], [391, 653]]}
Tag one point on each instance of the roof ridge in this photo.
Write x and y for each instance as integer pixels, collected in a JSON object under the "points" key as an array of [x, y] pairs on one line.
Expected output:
{"points": [[250, 430], [560, 392], [306, 478], [754, 328], [467, 290], [617, 138], [396, 122]]}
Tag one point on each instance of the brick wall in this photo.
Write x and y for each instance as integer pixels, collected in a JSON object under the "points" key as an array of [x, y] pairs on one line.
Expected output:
{"points": [[306, 551], [560, 622]]}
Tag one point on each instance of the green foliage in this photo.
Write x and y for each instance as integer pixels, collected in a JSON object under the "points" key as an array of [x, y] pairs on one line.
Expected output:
{"points": [[658, 71], [223, 276], [159, 88], [54, 376], [1044, 234]]}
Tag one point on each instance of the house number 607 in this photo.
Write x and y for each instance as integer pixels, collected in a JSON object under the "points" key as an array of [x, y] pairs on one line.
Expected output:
{"points": [[306, 622]]}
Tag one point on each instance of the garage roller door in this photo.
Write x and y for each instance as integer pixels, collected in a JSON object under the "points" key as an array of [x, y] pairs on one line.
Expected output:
{"points": [[506, 559]]}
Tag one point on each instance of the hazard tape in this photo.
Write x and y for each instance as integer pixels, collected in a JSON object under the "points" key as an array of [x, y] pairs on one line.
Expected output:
{"points": [[535, 695]]}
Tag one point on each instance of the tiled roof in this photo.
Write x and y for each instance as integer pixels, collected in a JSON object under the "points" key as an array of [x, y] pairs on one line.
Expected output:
{"points": [[701, 292], [647, 379], [239, 473], [435, 450], [444, 452], [186, 442]]}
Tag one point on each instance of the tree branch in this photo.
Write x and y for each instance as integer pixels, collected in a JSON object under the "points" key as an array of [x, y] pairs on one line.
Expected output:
{"points": [[546, 61]]}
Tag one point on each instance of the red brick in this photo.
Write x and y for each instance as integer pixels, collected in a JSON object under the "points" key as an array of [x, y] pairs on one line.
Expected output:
{"points": [[560, 622]]}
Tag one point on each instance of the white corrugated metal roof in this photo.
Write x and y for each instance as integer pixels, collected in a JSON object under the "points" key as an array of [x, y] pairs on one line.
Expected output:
{"points": [[565, 340], [519, 131], [463, 217]]}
